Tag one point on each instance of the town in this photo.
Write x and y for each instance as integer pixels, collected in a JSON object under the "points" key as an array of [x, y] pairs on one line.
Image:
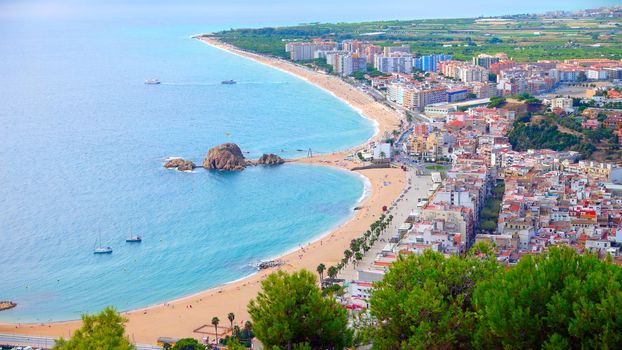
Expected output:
{"points": [[456, 139]]}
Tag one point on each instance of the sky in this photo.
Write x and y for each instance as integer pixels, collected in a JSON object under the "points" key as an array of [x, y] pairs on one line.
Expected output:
{"points": [[258, 12]]}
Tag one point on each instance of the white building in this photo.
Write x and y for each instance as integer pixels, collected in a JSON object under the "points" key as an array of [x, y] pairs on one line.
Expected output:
{"points": [[596, 74], [564, 103], [344, 63], [395, 63], [382, 151]]}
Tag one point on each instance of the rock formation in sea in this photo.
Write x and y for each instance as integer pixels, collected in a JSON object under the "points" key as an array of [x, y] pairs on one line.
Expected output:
{"points": [[270, 159], [227, 156], [180, 164], [5, 305]]}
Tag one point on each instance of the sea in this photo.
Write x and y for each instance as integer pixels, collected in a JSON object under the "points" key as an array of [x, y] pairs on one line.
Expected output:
{"points": [[83, 141], [82, 145]]}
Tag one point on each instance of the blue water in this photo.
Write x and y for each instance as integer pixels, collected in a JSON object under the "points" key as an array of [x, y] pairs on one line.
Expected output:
{"points": [[82, 147]]}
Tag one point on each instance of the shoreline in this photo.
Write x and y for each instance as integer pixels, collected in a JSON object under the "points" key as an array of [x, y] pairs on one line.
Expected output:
{"points": [[179, 317]]}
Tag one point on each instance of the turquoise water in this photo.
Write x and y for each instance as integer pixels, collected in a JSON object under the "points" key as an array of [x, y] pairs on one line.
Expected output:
{"points": [[82, 147]]}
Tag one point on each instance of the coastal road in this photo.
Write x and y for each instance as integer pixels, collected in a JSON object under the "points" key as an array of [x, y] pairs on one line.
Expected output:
{"points": [[46, 342], [404, 205]]}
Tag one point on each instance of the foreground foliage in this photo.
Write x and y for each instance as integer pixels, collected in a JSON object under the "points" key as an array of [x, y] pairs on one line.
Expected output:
{"points": [[557, 300], [425, 301], [291, 312], [560, 300], [188, 344], [102, 331]]}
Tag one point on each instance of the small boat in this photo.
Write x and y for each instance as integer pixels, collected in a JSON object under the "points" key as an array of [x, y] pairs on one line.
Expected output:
{"points": [[152, 82], [99, 249], [102, 250], [228, 82], [134, 239]]}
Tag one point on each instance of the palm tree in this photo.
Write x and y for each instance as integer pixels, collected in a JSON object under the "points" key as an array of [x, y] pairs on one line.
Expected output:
{"points": [[332, 272], [354, 245], [248, 327], [348, 254], [231, 317], [236, 331], [320, 271], [215, 322]]}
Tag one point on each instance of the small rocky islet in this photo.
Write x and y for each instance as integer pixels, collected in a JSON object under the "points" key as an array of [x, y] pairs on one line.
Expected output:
{"points": [[224, 157], [180, 164], [5, 305]]}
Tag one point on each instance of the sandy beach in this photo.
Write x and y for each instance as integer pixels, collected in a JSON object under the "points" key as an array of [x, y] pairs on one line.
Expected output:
{"points": [[180, 318]]}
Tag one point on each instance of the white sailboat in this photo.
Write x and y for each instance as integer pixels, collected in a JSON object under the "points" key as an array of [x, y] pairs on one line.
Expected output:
{"points": [[99, 249]]}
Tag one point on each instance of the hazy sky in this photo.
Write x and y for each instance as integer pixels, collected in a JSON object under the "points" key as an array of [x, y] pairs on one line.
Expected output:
{"points": [[257, 12]]}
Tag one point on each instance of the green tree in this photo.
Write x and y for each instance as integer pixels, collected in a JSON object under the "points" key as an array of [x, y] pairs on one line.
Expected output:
{"points": [[248, 329], [555, 300], [425, 301], [347, 254], [320, 270], [215, 322], [231, 317], [332, 272], [188, 344], [234, 344], [291, 310], [102, 331], [581, 77]]}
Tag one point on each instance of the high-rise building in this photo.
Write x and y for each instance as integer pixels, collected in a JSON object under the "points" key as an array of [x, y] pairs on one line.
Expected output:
{"points": [[473, 73], [303, 51], [464, 71], [395, 63], [388, 50], [414, 97], [344, 63], [430, 63], [485, 60], [371, 51]]}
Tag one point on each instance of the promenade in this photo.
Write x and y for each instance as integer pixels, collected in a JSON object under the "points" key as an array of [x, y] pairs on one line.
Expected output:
{"points": [[417, 187]]}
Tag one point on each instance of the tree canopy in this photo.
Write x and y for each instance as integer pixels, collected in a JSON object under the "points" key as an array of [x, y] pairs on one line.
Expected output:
{"points": [[290, 312], [188, 344], [425, 301], [102, 331], [558, 300]]}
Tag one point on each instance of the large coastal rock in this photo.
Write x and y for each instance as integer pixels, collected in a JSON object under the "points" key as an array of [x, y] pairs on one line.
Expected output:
{"points": [[5, 305], [270, 159], [227, 156], [180, 164]]}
